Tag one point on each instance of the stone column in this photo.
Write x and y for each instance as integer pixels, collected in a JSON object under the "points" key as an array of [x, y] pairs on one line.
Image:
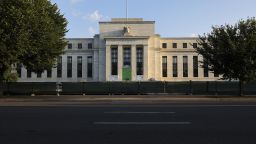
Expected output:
{"points": [[180, 66], [120, 62], [200, 69], [190, 67], [108, 62], [145, 76], [74, 69], [96, 65], [133, 62], [64, 68]]}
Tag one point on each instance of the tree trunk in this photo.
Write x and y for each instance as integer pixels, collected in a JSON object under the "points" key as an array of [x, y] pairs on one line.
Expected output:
{"points": [[241, 87]]}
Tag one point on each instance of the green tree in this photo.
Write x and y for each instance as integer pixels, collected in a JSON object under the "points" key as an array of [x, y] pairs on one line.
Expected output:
{"points": [[231, 51], [31, 33]]}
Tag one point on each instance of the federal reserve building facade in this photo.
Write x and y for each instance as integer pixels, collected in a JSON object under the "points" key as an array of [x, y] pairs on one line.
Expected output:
{"points": [[125, 50]]}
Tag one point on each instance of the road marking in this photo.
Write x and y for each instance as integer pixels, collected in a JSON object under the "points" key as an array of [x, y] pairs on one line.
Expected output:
{"points": [[142, 123], [139, 112]]}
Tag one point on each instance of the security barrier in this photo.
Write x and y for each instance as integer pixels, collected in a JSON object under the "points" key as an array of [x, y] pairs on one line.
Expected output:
{"points": [[129, 88]]}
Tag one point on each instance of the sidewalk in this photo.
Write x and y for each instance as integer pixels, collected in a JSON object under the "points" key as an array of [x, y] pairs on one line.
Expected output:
{"points": [[127, 98]]}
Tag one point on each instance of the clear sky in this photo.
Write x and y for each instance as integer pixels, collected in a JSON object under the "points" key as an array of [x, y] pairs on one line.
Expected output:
{"points": [[174, 18]]}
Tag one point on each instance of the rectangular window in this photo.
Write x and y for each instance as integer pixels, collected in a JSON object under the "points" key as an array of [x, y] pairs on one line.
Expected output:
{"points": [[140, 60], [39, 74], [164, 66], [79, 66], [69, 66], [80, 45], [127, 57], [194, 45], [164, 45], [185, 66], [216, 74], [69, 45], [174, 45], [89, 66], [175, 66], [195, 66], [89, 45], [59, 67], [206, 68], [29, 73], [185, 45], [114, 61], [49, 73], [18, 69]]}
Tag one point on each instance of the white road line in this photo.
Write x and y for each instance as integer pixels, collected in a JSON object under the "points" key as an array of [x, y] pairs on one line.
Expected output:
{"points": [[142, 123], [119, 112]]}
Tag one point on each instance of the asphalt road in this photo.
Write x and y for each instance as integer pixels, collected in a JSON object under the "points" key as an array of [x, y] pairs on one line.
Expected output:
{"points": [[196, 123]]}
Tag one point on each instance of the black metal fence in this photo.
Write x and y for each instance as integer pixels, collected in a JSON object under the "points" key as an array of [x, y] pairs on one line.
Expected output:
{"points": [[131, 88]]}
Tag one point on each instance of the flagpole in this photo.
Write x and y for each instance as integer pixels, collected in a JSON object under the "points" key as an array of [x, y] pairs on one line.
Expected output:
{"points": [[126, 11]]}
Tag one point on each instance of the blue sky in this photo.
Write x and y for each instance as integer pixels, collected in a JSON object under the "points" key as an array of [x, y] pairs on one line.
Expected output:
{"points": [[174, 18]]}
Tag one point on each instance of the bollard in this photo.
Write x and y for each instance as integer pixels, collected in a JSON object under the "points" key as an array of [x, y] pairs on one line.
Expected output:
{"points": [[33, 91], [58, 88]]}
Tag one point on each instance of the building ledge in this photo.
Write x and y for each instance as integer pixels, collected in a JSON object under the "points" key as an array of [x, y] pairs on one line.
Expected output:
{"points": [[128, 37]]}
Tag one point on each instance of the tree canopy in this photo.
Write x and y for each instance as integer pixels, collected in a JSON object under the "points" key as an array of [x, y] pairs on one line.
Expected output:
{"points": [[230, 50], [31, 33]]}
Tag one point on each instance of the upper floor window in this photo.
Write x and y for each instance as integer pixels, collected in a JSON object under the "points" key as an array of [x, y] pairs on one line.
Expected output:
{"points": [[174, 45], [194, 45], [70, 46], [89, 45], [80, 46], [185, 45], [164, 45]]}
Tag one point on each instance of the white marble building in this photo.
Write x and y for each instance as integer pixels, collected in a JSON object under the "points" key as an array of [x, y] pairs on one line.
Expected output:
{"points": [[125, 49]]}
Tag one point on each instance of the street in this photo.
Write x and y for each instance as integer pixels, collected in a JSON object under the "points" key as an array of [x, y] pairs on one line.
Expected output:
{"points": [[183, 123]]}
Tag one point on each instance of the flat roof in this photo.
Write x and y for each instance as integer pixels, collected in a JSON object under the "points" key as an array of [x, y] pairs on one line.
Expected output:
{"points": [[127, 21]]}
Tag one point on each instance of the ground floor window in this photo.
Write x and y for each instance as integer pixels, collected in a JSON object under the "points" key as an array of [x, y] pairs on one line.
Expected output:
{"points": [[18, 69], [69, 67], [114, 60], [139, 52], [175, 66], [59, 67], [89, 66], [79, 66], [195, 66], [127, 57], [49, 73], [206, 68], [164, 66], [29, 73], [185, 66]]}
